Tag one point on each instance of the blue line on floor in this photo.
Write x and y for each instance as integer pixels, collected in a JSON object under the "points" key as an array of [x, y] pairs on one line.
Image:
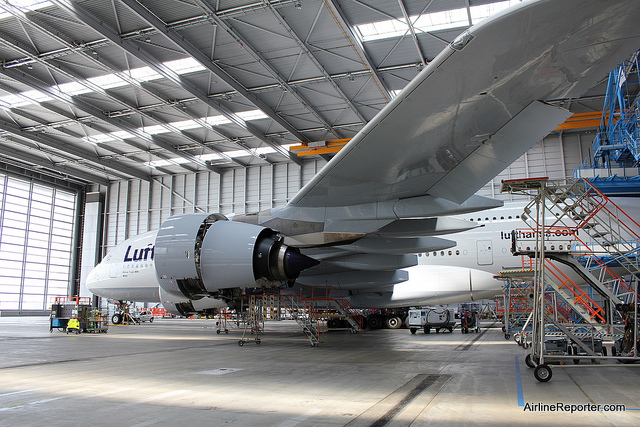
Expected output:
{"points": [[519, 383]]}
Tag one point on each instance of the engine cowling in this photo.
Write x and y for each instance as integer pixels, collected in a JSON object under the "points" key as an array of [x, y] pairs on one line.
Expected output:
{"points": [[181, 306], [200, 254]]}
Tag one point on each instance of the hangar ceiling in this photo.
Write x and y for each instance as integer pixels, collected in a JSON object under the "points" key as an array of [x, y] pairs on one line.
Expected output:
{"points": [[100, 90]]}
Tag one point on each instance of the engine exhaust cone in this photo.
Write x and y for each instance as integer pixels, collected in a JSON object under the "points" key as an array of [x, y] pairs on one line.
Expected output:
{"points": [[295, 262]]}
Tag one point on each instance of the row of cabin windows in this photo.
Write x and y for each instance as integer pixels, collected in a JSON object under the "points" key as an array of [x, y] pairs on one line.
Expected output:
{"points": [[442, 253], [495, 218]]}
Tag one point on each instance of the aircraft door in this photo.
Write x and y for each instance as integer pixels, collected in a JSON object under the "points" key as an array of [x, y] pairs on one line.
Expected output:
{"points": [[113, 272], [485, 252]]}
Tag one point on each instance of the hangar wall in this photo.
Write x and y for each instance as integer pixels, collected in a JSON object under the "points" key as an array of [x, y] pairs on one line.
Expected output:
{"points": [[135, 206], [37, 226]]}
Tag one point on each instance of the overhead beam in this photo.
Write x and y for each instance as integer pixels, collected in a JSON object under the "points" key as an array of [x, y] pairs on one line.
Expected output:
{"points": [[34, 21], [358, 46], [307, 51], [205, 61], [60, 171], [264, 63], [139, 52], [582, 121], [413, 32], [56, 144], [82, 105]]}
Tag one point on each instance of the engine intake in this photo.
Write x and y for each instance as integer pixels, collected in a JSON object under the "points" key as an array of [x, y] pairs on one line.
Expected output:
{"points": [[199, 254]]}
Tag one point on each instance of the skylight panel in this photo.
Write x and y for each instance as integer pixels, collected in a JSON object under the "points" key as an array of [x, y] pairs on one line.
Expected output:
{"points": [[121, 134], [167, 162], [209, 157], [478, 13], [382, 29], [215, 156], [13, 100], [159, 129], [252, 115], [154, 130], [98, 138], [25, 6], [444, 20], [108, 81], [184, 66], [73, 88], [217, 120], [144, 74], [25, 98], [185, 124]]}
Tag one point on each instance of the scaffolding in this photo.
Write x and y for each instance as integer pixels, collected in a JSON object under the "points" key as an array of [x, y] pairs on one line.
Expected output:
{"points": [[571, 221], [312, 308], [617, 143]]}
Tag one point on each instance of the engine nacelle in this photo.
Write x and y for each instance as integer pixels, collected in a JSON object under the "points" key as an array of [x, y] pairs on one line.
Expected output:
{"points": [[197, 255], [181, 306]]}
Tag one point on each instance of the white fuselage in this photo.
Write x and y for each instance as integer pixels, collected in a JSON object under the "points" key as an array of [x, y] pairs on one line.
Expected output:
{"points": [[459, 274]]}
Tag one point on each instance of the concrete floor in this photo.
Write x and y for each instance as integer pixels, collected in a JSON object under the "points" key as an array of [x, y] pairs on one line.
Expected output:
{"points": [[179, 371]]}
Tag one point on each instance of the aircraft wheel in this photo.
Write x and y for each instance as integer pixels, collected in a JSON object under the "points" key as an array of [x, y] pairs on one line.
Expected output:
{"points": [[542, 373], [394, 323], [116, 319], [375, 321], [240, 343], [332, 323]]}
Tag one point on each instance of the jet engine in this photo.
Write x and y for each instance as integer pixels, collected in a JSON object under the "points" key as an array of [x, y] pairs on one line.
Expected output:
{"points": [[198, 255]]}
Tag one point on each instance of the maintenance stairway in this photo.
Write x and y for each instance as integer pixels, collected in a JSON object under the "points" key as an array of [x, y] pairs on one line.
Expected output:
{"points": [[313, 307], [573, 224], [587, 232]]}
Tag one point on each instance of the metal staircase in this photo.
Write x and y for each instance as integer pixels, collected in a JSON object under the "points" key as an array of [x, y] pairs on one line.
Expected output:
{"points": [[582, 221], [570, 219], [330, 304], [305, 316]]}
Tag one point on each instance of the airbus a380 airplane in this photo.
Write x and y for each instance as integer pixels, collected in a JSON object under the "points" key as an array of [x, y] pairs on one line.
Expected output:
{"points": [[389, 192]]}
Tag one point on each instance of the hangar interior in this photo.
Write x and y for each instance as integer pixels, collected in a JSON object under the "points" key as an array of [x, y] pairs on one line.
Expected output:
{"points": [[129, 112], [118, 114]]}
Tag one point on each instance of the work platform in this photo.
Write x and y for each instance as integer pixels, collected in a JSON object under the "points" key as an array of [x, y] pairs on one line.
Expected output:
{"points": [[576, 309]]}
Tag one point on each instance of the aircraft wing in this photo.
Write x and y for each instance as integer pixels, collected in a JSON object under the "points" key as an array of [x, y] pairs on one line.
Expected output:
{"points": [[479, 105]]}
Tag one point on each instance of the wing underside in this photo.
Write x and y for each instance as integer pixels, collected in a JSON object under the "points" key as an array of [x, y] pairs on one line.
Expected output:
{"points": [[479, 105]]}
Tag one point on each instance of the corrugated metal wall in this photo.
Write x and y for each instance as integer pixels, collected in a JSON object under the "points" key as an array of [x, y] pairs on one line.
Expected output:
{"points": [[134, 207]]}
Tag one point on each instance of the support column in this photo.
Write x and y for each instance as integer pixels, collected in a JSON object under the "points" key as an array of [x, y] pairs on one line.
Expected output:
{"points": [[91, 236]]}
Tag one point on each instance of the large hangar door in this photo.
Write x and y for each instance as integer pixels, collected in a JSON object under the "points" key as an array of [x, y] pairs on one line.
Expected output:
{"points": [[485, 252]]}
